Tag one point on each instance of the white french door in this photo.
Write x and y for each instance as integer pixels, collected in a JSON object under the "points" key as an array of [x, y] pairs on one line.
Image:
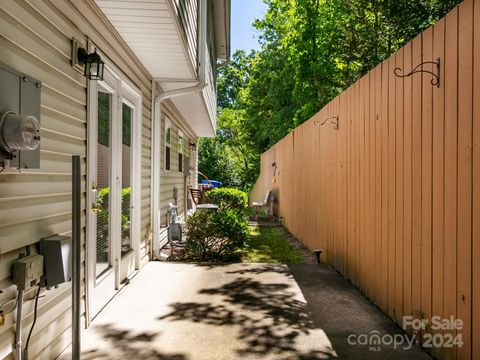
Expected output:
{"points": [[113, 187]]}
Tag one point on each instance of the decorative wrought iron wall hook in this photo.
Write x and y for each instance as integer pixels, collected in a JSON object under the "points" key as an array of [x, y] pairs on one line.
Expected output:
{"points": [[419, 69], [331, 120]]}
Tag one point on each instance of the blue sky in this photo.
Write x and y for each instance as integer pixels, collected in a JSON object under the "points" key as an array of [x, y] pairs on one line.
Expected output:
{"points": [[243, 35]]}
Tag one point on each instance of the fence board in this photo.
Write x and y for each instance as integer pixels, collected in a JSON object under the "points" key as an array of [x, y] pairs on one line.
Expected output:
{"points": [[438, 180], [407, 210], [399, 199], [350, 234], [371, 187], [464, 214], [426, 131], [378, 179], [416, 181], [361, 182], [451, 149], [384, 218], [476, 185]]}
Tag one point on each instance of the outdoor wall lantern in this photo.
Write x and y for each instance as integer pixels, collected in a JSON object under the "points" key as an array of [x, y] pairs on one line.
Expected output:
{"points": [[419, 69], [93, 64], [331, 120], [192, 145]]}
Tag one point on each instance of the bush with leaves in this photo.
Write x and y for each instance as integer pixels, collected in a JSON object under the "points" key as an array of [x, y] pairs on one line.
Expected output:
{"points": [[103, 214], [229, 199], [215, 235]]}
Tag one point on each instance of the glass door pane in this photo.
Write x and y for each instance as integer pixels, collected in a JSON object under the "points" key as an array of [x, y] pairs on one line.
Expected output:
{"points": [[103, 182], [127, 114]]}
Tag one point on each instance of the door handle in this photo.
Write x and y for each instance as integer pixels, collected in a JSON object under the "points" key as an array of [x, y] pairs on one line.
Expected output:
{"points": [[95, 205], [96, 208]]}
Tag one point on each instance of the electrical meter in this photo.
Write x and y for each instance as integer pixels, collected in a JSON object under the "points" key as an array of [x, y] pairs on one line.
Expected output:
{"points": [[19, 132]]}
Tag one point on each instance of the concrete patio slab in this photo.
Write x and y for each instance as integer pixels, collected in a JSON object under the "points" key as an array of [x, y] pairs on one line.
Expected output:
{"points": [[238, 311]]}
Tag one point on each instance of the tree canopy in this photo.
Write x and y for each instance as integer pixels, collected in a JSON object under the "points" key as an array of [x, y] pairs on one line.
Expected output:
{"points": [[311, 50]]}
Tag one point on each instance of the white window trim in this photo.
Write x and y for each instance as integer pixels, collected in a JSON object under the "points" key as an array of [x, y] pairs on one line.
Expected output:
{"points": [[168, 125]]}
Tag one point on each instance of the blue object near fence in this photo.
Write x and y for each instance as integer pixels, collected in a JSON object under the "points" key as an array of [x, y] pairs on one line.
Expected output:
{"points": [[215, 184]]}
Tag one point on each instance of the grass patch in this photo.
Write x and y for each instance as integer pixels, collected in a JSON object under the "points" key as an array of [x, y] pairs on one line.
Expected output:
{"points": [[270, 245]]}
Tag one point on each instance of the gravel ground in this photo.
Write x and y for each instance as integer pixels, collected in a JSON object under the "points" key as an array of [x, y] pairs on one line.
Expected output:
{"points": [[302, 249]]}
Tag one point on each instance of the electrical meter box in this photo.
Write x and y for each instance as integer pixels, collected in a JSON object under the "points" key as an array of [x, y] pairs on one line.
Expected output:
{"points": [[57, 253], [20, 97]]}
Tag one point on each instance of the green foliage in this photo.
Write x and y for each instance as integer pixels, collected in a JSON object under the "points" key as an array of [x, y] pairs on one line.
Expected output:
{"points": [[230, 157], [215, 235], [104, 118], [232, 78], [270, 245], [126, 192], [311, 50], [103, 201], [229, 198], [127, 113]]}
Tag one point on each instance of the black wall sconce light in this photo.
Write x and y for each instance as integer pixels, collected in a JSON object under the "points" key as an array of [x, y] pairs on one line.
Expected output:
{"points": [[192, 145], [94, 65], [90, 64], [331, 120], [419, 69]]}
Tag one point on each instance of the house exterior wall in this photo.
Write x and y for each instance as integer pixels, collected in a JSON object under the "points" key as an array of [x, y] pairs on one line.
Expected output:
{"points": [[35, 38], [174, 178], [187, 11]]}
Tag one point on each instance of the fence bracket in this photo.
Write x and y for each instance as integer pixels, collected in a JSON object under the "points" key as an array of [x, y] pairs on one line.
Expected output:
{"points": [[331, 120], [419, 69]]}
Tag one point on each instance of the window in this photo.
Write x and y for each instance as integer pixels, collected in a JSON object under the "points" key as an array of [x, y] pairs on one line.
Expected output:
{"points": [[181, 145], [127, 120], [168, 142]]}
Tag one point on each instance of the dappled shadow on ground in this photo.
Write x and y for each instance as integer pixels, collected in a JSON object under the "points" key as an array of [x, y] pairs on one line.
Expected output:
{"points": [[270, 320], [261, 269], [127, 345]]}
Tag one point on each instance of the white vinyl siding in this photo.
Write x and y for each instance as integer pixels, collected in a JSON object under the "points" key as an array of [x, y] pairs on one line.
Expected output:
{"points": [[35, 38], [171, 179], [187, 11]]}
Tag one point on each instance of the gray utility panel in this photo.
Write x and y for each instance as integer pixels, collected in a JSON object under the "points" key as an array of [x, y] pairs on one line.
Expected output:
{"points": [[57, 254], [21, 94]]}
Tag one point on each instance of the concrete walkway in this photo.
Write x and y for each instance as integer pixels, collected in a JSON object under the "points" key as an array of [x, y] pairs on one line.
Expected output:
{"points": [[239, 311]]}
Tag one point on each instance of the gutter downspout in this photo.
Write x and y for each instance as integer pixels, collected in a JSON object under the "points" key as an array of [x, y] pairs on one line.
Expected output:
{"points": [[157, 143], [152, 166]]}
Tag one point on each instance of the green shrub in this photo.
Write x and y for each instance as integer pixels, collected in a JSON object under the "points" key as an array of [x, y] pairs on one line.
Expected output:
{"points": [[215, 235], [228, 198], [103, 214]]}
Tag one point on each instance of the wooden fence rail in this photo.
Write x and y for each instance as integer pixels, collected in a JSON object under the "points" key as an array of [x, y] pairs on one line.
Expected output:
{"points": [[393, 195]]}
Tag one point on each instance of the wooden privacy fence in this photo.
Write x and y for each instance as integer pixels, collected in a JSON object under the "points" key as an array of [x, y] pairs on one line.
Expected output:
{"points": [[393, 195]]}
